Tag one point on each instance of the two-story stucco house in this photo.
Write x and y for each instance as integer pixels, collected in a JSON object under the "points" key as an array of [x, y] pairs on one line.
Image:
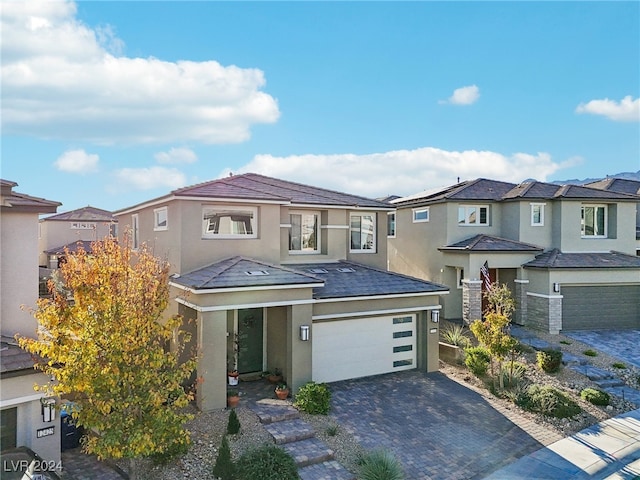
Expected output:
{"points": [[24, 420], [68, 229], [567, 252], [276, 274]]}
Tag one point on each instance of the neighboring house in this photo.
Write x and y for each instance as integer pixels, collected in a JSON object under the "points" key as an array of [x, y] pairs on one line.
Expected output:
{"points": [[622, 185], [274, 274], [23, 419], [566, 252], [65, 230]]}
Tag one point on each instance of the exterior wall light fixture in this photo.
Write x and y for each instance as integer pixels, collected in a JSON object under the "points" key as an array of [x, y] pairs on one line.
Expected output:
{"points": [[304, 333], [556, 287], [48, 409], [435, 316]]}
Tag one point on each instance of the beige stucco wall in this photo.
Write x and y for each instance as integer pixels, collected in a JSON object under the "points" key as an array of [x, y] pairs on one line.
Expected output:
{"points": [[18, 392], [18, 272]]}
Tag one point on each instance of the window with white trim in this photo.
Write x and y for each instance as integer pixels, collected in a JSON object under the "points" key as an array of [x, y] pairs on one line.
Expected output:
{"points": [[473, 215], [593, 222], [229, 221], [537, 214], [160, 219], [420, 215], [362, 230], [304, 232], [135, 231], [391, 224], [83, 226]]}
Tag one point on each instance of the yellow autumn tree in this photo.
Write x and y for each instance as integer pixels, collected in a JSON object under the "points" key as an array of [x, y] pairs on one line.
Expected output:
{"points": [[103, 340]]}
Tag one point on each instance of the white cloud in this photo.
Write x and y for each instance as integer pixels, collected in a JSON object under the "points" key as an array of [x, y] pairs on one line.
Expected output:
{"points": [[149, 178], [64, 79], [403, 172], [627, 110], [77, 161], [176, 155], [464, 96]]}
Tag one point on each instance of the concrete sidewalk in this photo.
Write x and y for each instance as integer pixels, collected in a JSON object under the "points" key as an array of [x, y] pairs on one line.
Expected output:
{"points": [[609, 450]]}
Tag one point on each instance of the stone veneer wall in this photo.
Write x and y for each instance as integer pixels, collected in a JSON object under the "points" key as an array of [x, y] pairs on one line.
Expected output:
{"points": [[471, 300], [545, 313], [520, 314]]}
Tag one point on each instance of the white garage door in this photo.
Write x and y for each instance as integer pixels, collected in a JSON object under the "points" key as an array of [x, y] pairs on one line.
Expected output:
{"points": [[355, 348]]}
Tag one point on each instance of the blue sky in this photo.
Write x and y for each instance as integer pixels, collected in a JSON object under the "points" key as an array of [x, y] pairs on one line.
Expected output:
{"points": [[114, 103]]}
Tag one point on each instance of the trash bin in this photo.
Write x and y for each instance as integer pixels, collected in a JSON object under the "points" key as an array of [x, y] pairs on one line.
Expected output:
{"points": [[70, 433]]}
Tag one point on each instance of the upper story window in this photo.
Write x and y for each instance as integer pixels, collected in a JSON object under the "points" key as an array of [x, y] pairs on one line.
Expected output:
{"points": [[229, 222], [303, 232], [160, 218], [594, 221], [473, 215], [537, 214], [391, 224], [135, 231], [362, 231], [420, 215], [83, 226]]}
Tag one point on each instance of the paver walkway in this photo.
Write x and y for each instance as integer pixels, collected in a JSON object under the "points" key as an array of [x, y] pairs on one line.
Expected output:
{"points": [[622, 344], [437, 428], [80, 466]]}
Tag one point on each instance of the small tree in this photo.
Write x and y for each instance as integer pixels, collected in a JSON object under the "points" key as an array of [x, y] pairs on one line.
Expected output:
{"points": [[233, 425], [500, 300], [224, 467], [107, 347]]}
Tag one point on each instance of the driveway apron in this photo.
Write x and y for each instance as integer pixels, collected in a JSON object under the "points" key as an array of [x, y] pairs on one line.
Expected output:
{"points": [[436, 428]]}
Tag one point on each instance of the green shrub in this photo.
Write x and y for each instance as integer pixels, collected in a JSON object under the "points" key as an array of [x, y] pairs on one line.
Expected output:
{"points": [[512, 373], [233, 426], [477, 360], [590, 353], [175, 450], [594, 396], [224, 467], [548, 401], [454, 335], [332, 430], [549, 360], [268, 462], [619, 365], [565, 342], [313, 398], [379, 465]]}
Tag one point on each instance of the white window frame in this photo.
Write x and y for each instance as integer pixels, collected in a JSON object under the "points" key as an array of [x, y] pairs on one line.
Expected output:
{"points": [[417, 211], [228, 210], [595, 206], [303, 251], [533, 210], [467, 213], [135, 231], [352, 215], [157, 223], [392, 225]]}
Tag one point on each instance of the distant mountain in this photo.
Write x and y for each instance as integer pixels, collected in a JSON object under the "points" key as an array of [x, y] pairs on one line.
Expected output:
{"points": [[575, 181]]}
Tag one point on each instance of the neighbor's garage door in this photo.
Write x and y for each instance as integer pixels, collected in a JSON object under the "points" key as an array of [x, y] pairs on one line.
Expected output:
{"points": [[355, 348], [598, 307]]}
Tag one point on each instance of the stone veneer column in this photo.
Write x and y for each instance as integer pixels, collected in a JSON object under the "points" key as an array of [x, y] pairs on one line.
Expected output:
{"points": [[471, 300], [520, 315], [555, 314]]}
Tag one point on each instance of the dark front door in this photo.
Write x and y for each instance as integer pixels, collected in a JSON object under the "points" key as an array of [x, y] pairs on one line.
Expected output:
{"points": [[250, 336]]}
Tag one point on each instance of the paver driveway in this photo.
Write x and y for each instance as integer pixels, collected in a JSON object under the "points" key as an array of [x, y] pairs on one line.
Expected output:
{"points": [[437, 428], [622, 344]]}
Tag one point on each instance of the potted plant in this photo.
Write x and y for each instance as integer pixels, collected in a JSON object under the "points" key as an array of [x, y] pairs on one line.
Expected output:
{"points": [[232, 376], [233, 398], [275, 376], [282, 391]]}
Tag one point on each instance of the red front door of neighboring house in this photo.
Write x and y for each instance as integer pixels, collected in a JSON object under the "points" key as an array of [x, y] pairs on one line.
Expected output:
{"points": [[493, 275]]}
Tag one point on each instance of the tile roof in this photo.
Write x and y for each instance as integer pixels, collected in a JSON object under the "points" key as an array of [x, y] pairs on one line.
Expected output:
{"points": [[478, 189], [340, 279], [13, 358], [541, 190], [73, 247], [620, 185], [252, 186], [233, 273], [84, 214], [488, 243], [556, 259], [349, 279], [14, 201]]}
